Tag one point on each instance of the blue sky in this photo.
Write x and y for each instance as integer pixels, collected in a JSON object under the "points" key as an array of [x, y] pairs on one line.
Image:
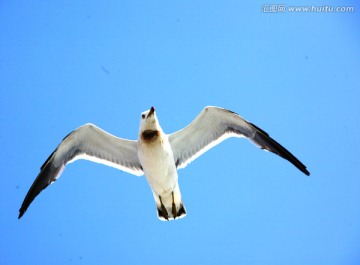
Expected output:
{"points": [[295, 75]]}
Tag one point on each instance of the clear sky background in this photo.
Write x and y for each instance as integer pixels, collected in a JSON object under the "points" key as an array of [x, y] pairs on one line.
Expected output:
{"points": [[295, 75]]}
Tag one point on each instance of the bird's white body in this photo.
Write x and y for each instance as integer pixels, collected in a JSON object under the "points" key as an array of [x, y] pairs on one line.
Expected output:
{"points": [[157, 161], [155, 154]]}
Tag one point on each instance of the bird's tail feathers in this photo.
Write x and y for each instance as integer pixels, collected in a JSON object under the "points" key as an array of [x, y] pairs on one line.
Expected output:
{"points": [[170, 207]]}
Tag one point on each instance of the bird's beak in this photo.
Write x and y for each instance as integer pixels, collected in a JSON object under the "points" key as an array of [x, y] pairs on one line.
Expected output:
{"points": [[151, 112]]}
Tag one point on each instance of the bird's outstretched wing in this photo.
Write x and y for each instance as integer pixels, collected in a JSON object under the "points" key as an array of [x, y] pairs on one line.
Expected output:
{"points": [[86, 142], [212, 126]]}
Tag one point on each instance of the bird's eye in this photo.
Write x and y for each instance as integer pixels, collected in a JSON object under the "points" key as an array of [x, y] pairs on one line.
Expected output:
{"points": [[143, 116]]}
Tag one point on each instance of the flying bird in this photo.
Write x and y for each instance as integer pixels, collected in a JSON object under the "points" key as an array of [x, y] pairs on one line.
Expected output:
{"points": [[155, 154]]}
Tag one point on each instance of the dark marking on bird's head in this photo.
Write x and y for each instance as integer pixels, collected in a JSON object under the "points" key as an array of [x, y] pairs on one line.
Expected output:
{"points": [[150, 135], [148, 113]]}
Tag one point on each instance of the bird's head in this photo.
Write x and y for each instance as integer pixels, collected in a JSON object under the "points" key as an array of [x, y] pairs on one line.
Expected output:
{"points": [[149, 121]]}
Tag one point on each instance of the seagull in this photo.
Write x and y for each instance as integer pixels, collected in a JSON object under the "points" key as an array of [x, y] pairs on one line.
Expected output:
{"points": [[155, 154]]}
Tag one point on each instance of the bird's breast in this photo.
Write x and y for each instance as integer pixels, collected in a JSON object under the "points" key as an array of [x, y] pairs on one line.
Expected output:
{"points": [[155, 153], [157, 161]]}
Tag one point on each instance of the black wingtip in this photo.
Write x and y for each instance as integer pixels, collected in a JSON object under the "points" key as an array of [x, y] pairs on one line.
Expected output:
{"points": [[48, 174], [21, 214], [24, 206], [273, 146], [298, 164], [307, 173]]}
